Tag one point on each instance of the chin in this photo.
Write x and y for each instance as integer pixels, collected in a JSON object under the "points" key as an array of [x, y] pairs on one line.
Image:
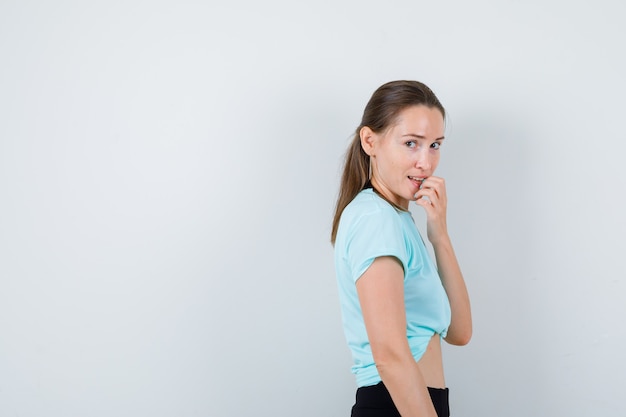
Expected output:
{"points": [[410, 196]]}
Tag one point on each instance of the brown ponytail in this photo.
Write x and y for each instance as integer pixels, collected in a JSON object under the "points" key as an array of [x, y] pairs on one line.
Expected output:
{"points": [[379, 114]]}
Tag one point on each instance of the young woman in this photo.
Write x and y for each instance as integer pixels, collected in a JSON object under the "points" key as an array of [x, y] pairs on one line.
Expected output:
{"points": [[396, 304]]}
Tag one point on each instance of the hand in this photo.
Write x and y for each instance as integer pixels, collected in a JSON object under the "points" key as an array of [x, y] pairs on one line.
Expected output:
{"points": [[432, 196]]}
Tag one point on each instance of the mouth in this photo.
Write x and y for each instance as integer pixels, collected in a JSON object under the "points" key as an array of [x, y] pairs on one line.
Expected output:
{"points": [[417, 181]]}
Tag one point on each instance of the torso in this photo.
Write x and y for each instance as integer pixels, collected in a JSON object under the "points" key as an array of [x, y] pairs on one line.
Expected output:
{"points": [[431, 364], [369, 218]]}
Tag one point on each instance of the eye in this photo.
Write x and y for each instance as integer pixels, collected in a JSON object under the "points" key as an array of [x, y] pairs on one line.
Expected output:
{"points": [[436, 145], [411, 144]]}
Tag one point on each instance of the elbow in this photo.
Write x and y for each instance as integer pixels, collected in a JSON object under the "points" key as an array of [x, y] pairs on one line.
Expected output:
{"points": [[459, 338], [388, 359], [460, 331], [459, 341]]}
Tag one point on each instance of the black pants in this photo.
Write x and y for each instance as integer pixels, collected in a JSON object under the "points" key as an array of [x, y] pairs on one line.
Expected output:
{"points": [[375, 401]]}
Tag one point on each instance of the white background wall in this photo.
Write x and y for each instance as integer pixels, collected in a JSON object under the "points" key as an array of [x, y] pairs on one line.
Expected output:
{"points": [[168, 172]]}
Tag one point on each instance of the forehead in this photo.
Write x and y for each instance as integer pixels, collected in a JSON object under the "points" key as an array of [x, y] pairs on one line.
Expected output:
{"points": [[421, 121]]}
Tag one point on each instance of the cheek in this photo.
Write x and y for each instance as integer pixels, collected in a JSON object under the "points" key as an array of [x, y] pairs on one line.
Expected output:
{"points": [[434, 161]]}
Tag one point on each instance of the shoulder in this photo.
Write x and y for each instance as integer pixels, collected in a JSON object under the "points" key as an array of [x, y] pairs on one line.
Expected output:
{"points": [[368, 211], [369, 228], [368, 203]]}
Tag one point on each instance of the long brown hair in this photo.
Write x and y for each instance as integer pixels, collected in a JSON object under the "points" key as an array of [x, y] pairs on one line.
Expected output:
{"points": [[380, 113]]}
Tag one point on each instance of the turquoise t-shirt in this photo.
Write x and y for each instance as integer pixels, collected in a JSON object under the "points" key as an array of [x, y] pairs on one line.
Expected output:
{"points": [[370, 228]]}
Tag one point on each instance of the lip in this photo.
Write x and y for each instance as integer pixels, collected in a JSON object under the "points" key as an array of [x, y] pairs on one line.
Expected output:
{"points": [[417, 181]]}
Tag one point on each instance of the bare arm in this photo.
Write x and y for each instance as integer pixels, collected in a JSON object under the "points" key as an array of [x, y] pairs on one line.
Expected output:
{"points": [[381, 294], [460, 330]]}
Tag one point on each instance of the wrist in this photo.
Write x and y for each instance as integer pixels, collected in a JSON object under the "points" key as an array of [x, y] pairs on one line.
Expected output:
{"points": [[441, 241]]}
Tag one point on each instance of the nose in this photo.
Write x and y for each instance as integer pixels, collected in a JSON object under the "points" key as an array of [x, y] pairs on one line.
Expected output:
{"points": [[423, 161]]}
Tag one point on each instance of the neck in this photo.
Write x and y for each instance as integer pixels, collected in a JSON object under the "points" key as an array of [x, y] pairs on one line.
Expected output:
{"points": [[381, 192]]}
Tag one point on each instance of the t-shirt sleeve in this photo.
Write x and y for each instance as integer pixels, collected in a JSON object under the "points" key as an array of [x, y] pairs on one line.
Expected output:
{"points": [[374, 235]]}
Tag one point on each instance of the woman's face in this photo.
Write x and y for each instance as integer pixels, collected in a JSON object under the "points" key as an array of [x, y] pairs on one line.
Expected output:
{"points": [[406, 153]]}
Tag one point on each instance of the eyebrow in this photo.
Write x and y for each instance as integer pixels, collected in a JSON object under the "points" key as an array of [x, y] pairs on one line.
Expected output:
{"points": [[413, 135]]}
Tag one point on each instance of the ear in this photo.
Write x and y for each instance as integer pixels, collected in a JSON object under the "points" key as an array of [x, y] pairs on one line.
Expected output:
{"points": [[368, 140]]}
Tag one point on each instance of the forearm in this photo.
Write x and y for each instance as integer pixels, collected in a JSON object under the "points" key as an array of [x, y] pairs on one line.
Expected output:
{"points": [[460, 330], [408, 390]]}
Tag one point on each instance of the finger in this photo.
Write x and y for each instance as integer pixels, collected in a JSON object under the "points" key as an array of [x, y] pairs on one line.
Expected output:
{"points": [[429, 207], [427, 204], [438, 186], [427, 193], [435, 183]]}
